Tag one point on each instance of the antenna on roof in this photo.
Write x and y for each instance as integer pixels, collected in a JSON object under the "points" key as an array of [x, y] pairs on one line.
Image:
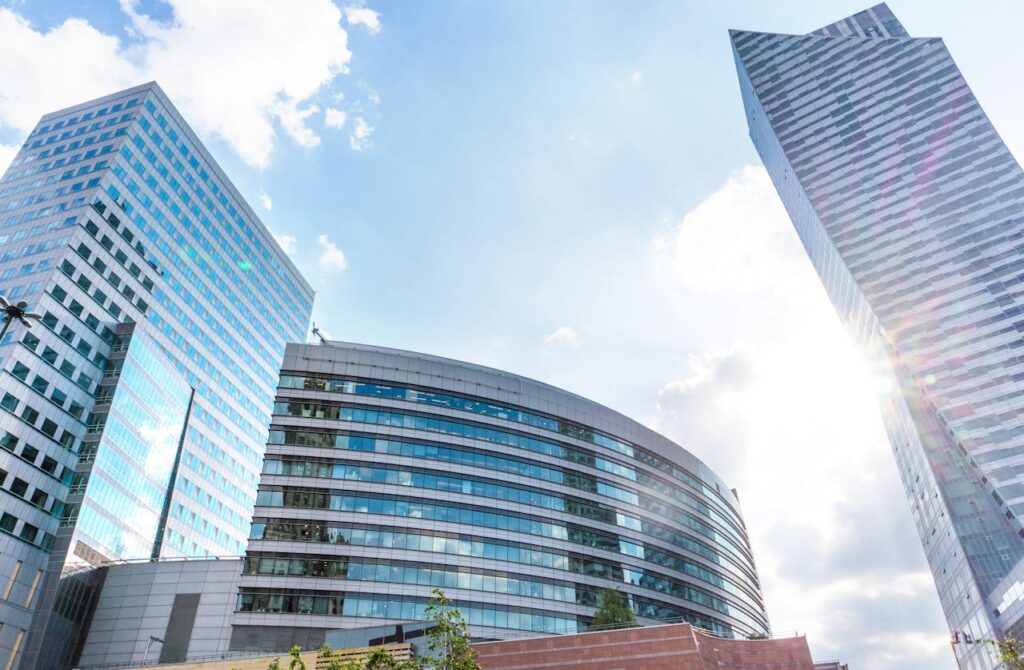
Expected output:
{"points": [[316, 331]]}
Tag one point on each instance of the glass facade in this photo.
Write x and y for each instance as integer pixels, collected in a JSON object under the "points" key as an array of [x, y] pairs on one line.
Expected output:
{"points": [[910, 207], [134, 415], [390, 473]]}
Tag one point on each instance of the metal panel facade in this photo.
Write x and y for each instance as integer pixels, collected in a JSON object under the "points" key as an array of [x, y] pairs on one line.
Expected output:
{"points": [[911, 209]]}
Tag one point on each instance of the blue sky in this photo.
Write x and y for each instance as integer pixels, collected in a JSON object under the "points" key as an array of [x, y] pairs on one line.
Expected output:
{"points": [[565, 190]]}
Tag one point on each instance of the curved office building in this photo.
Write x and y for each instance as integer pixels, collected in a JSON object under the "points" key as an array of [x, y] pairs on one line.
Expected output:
{"points": [[389, 473]]}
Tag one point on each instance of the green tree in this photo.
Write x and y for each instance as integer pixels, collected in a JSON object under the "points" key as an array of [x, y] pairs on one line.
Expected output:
{"points": [[448, 641], [382, 659], [275, 664], [612, 611], [335, 662], [1010, 651], [296, 655], [378, 659]]}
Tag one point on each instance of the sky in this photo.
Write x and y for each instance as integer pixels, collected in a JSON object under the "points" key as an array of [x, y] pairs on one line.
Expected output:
{"points": [[565, 190]]}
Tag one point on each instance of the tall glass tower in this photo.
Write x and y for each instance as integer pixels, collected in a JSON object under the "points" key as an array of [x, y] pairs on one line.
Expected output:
{"points": [[133, 417], [912, 210]]}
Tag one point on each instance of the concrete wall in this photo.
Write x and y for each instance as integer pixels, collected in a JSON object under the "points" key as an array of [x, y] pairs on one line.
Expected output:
{"points": [[136, 603]]}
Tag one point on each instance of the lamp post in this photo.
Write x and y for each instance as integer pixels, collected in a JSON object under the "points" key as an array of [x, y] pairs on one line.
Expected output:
{"points": [[152, 639], [17, 311]]}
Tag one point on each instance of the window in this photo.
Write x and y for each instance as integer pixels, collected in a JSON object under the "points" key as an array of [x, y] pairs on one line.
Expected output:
{"points": [[49, 427], [28, 532], [8, 522], [39, 498], [29, 453], [67, 267], [8, 442], [84, 380], [30, 341], [30, 415], [49, 355], [19, 487], [49, 320], [39, 385], [49, 465], [9, 403], [76, 410], [14, 575], [58, 397], [20, 370], [59, 293], [32, 588], [75, 308]]}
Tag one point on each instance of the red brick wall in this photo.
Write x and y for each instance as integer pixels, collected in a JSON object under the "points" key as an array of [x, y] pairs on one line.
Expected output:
{"points": [[670, 647]]}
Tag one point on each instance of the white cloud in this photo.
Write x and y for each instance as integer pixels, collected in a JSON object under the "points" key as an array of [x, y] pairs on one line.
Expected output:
{"points": [[293, 120], [361, 16], [265, 200], [225, 64], [373, 96], [735, 239], [359, 139], [637, 76], [7, 154], [44, 71], [790, 417], [710, 405], [331, 257], [564, 336], [287, 243], [334, 118]]}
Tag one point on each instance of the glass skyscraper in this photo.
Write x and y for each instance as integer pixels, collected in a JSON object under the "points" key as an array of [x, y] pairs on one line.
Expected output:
{"points": [[389, 473], [911, 209], [133, 417]]}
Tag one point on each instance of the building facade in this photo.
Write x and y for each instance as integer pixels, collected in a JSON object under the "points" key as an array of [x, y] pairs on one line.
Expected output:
{"points": [[133, 416], [163, 611], [390, 473], [668, 647], [911, 209]]}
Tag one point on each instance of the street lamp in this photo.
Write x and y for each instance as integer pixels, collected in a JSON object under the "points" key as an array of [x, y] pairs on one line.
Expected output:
{"points": [[152, 639], [16, 311]]}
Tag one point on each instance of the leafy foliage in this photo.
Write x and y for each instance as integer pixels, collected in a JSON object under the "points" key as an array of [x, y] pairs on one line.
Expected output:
{"points": [[448, 641], [1010, 651], [296, 655], [612, 611]]}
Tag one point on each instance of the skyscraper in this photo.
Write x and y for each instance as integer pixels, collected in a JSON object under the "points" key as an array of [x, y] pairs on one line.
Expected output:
{"points": [[911, 209], [133, 417], [390, 473]]}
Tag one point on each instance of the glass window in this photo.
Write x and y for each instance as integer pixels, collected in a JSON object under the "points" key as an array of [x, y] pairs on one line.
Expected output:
{"points": [[28, 532]]}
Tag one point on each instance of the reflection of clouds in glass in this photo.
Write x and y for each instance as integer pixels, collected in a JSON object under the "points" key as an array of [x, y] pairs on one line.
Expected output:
{"points": [[162, 439]]}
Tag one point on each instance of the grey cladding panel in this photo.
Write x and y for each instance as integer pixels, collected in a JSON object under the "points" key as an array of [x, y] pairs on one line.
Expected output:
{"points": [[179, 628]]}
